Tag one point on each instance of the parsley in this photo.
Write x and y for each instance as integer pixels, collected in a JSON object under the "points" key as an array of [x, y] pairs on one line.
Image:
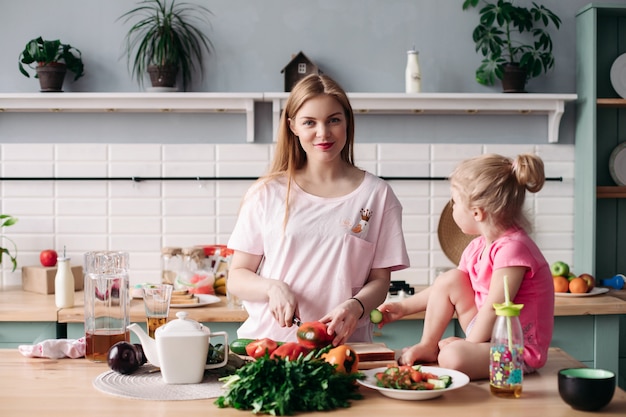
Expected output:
{"points": [[282, 387]]}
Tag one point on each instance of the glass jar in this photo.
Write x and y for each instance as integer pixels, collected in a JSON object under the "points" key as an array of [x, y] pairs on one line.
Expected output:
{"points": [[171, 264], [506, 355], [196, 276]]}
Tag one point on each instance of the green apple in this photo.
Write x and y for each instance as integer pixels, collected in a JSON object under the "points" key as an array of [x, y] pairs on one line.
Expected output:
{"points": [[559, 268]]}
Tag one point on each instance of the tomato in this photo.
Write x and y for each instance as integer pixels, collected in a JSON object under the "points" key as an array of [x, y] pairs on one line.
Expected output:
{"points": [[261, 347], [290, 350], [344, 358], [314, 334]]}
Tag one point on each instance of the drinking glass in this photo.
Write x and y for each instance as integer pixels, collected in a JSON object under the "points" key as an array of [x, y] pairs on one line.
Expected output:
{"points": [[156, 300]]}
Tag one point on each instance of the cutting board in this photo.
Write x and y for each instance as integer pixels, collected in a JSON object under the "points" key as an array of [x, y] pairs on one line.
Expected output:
{"points": [[374, 355]]}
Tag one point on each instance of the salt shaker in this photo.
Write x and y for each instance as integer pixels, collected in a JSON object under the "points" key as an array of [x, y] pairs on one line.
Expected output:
{"points": [[413, 76], [506, 355], [64, 283]]}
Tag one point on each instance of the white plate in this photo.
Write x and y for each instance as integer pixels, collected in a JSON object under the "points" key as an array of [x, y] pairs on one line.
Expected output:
{"points": [[205, 300], [618, 75], [594, 291], [459, 379], [617, 164]]}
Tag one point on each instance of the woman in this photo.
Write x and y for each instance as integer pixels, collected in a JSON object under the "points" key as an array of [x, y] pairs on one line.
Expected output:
{"points": [[317, 237]]}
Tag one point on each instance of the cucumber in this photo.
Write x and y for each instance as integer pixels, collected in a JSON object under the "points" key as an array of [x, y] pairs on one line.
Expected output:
{"points": [[376, 316], [238, 346]]}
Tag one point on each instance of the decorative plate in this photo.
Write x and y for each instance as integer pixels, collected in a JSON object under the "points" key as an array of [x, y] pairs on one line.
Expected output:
{"points": [[204, 300], [459, 379], [617, 164], [594, 291], [618, 75]]}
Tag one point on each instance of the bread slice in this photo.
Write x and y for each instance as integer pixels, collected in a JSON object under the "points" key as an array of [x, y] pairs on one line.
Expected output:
{"points": [[185, 300]]}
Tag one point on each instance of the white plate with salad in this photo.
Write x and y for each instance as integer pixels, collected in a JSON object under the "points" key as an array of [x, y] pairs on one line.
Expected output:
{"points": [[445, 380]]}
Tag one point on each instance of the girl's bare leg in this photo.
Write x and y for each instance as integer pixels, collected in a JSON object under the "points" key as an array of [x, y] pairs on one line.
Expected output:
{"points": [[470, 358], [451, 291]]}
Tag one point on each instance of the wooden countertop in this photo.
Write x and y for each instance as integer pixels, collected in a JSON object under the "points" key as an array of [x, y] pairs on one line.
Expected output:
{"points": [[17, 305], [64, 387]]}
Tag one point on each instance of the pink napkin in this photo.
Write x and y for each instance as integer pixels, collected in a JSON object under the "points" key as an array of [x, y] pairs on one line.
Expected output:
{"points": [[55, 349]]}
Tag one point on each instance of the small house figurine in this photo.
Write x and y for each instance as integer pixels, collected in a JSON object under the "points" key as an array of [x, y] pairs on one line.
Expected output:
{"points": [[299, 67]]}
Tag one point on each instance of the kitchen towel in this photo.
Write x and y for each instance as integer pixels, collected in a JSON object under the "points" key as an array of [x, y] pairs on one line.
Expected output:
{"points": [[55, 349]]}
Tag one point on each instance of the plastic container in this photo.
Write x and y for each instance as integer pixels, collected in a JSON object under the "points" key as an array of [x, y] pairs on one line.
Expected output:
{"points": [[197, 275], [506, 356]]}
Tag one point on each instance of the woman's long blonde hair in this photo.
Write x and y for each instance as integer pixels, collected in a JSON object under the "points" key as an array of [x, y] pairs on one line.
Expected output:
{"points": [[289, 155], [498, 185]]}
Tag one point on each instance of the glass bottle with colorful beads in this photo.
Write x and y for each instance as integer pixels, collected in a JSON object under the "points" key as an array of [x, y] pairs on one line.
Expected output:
{"points": [[506, 356]]}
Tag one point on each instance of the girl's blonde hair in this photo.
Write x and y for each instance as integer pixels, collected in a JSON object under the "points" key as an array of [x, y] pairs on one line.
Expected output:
{"points": [[289, 155], [498, 185]]}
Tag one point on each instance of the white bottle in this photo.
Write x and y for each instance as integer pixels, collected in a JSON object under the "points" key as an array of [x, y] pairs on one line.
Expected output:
{"points": [[413, 76], [64, 284]]}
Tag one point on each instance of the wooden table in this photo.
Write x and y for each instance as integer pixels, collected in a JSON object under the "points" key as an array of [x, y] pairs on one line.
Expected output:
{"points": [[60, 388]]}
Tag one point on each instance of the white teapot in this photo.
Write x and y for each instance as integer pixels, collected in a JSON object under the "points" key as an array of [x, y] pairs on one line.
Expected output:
{"points": [[180, 348]]}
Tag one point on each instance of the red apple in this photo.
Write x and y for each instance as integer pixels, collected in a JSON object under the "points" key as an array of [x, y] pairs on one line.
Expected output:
{"points": [[591, 282], [48, 257]]}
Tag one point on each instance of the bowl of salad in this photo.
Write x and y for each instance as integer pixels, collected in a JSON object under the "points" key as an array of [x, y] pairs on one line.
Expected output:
{"points": [[416, 382]]}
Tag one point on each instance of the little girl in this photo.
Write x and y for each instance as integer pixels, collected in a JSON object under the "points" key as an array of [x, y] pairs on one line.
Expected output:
{"points": [[488, 196]]}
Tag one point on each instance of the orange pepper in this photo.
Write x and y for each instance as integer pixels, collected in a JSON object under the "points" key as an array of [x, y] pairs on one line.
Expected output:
{"points": [[344, 358]]}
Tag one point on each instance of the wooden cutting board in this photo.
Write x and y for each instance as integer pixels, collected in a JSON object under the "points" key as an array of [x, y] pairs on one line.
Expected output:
{"points": [[374, 355]]}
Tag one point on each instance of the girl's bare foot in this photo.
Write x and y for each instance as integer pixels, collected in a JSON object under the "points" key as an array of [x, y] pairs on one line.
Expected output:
{"points": [[420, 353]]}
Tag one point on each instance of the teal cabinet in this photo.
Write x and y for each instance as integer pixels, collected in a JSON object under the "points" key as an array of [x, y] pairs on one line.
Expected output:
{"points": [[13, 334]]}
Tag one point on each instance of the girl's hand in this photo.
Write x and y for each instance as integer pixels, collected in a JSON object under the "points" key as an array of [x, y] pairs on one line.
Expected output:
{"points": [[391, 312], [282, 302], [342, 320]]}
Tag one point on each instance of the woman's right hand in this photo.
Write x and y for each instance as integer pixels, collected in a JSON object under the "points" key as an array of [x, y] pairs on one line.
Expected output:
{"points": [[391, 312], [282, 302]]}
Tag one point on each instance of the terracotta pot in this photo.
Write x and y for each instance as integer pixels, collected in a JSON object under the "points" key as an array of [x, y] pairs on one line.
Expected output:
{"points": [[514, 79], [51, 76], [163, 76]]}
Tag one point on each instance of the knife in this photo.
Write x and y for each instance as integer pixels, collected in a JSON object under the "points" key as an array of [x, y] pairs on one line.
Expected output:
{"points": [[295, 320]]}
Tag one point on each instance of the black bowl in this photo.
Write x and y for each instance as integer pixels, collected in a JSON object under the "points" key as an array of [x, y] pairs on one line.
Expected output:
{"points": [[586, 389]]}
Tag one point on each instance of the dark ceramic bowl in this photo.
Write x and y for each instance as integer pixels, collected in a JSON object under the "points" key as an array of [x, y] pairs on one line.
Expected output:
{"points": [[586, 389]]}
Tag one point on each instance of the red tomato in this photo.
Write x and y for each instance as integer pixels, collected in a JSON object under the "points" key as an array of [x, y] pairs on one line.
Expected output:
{"points": [[290, 350], [261, 347]]}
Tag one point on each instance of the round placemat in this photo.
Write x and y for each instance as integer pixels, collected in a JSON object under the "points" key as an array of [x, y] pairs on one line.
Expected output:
{"points": [[452, 239], [147, 384]]}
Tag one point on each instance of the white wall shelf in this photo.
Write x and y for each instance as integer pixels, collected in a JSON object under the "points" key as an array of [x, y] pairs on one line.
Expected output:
{"points": [[551, 105]]}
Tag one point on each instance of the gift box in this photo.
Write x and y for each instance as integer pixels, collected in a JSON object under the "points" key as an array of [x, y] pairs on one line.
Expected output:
{"points": [[40, 279]]}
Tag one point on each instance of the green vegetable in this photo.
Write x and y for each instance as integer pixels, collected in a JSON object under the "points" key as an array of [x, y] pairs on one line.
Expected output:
{"points": [[283, 387], [239, 346], [376, 316]]}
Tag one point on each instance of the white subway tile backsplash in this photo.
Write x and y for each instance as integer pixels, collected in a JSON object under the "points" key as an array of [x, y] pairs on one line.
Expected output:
{"points": [[143, 216]]}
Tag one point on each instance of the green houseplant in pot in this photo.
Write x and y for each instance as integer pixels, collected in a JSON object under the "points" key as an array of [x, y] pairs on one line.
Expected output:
{"points": [[50, 60], [514, 42], [167, 38], [7, 220]]}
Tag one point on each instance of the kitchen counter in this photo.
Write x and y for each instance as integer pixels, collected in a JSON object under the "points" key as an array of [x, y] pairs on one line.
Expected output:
{"points": [[58, 388]]}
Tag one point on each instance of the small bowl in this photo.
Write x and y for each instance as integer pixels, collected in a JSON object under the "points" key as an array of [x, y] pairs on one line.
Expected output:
{"points": [[586, 389]]}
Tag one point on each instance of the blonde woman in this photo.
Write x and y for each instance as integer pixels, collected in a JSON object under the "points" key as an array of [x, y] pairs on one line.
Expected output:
{"points": [[316, 237], [488, 195]]}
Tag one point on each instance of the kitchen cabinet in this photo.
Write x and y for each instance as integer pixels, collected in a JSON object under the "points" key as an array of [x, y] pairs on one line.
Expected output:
{"points": [[600, 205]]}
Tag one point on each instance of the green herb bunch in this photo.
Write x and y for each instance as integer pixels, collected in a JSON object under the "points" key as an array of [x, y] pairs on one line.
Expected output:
{"points": [[281, 387]]}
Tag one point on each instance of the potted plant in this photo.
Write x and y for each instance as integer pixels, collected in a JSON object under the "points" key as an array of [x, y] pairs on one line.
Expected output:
{"points": [[51, 60], [7, 220], [166, 39], [514, 42]]}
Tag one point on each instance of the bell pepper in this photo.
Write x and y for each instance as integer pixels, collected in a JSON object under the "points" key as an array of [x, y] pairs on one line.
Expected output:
{"points": [[290, 350], [344, 358], [314, 334], [260, 347]]}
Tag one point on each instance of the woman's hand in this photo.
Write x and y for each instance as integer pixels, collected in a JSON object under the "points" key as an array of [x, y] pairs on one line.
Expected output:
{"points": [[282, 302], [342, 320]]}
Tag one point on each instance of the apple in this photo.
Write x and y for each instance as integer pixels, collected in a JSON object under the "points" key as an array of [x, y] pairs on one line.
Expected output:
{"points": [[48, 257], [559, 268], [591, 282]]}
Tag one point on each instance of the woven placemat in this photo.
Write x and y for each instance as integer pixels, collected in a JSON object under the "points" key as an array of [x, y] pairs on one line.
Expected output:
{"points": [[147, 384], [452, 239]]}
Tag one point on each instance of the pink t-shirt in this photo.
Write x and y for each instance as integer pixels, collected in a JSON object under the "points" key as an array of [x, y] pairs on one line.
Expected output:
{"points": [[325, 253], [536, 292]]}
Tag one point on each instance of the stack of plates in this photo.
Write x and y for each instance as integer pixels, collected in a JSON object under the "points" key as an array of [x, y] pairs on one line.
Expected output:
{"points": [[618, 75]]}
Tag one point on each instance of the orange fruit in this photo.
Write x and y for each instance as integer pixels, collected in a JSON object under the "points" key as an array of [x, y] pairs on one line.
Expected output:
{"points": [[578, 286], [561, 284]]}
